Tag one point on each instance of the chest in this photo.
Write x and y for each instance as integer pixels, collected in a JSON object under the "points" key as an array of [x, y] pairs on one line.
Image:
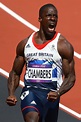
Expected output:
{"points": [[49, 52]]}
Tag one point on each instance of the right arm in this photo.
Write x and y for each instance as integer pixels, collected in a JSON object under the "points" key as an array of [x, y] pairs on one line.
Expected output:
{"points": [[14, 75]]}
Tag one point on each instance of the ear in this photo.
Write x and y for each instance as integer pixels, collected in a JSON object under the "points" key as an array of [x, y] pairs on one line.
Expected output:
{"points": [[39, 19]]}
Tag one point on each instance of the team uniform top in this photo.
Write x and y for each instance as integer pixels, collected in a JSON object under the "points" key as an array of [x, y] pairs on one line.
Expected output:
{"points": [[44, 64]]}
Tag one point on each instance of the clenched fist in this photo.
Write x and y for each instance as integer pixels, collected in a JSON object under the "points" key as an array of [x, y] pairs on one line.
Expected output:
{"points": [[11, 100], [53, 95]]}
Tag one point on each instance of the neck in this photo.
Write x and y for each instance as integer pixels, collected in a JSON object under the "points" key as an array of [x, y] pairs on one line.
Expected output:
{"points": [[41, 37]]}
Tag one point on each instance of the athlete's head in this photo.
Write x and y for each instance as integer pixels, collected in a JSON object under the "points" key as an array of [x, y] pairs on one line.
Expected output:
{"points": [[48, 17]]}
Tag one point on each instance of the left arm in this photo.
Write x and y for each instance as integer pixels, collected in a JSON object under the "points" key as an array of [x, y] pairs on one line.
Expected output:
{"points": [[68, 66], [69, 76]]}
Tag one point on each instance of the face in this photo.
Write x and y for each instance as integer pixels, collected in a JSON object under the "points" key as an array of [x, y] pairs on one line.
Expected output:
{"points": [[48, 20]]}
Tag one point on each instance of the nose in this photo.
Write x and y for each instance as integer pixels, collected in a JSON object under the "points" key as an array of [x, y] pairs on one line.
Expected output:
{"points": [[52, 17]]}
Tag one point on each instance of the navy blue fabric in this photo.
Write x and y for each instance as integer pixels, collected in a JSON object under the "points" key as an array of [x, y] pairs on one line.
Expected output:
{"points": [[45, 108]]}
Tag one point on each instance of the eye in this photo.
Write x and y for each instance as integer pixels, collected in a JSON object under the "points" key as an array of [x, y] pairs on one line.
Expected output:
{"points": [[48, 15], [55, 15]]}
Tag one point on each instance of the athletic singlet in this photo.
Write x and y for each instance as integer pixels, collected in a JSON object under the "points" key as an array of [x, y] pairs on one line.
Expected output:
{"points": [[44, 64]]}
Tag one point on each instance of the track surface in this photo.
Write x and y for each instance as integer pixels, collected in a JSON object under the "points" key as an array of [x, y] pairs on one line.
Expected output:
{"points": [[14, 30]]}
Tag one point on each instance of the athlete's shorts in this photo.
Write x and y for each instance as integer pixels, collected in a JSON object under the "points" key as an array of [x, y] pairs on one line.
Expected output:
{"points": [[34, 99]]}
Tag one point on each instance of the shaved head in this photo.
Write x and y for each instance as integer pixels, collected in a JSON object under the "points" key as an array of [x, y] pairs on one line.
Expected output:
{"points": [[41, 10]]}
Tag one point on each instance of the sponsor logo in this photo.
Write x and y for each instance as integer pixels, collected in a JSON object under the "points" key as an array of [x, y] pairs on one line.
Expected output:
{"points": [[33, 102], [28, 46], [24, 94]]}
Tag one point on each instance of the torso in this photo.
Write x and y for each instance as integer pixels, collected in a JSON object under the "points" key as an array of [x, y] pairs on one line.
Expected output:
{"points": [[44, 64]]}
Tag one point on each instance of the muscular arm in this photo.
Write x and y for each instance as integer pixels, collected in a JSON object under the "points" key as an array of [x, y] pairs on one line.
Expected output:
{"points": [[69, 76], [68, 65], [66, 51], [14, 75]]}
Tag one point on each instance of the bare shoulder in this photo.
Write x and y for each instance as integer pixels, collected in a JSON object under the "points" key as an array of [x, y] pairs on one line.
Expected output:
{"points": [[65, 48], [20, 47]]}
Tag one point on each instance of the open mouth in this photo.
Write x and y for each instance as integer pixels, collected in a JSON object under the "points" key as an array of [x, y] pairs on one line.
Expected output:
{"points": [[51, 27]]}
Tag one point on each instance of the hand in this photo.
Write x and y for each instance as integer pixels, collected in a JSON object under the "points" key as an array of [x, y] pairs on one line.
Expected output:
{"points": [[11, 100], [52, 96]]}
